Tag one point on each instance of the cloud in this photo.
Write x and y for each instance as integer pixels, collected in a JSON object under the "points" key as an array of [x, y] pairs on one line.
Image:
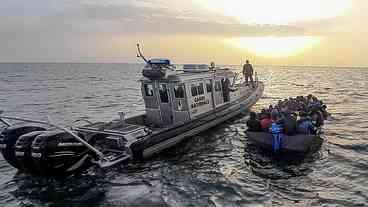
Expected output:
{"points": [[146, 18], [95, 17], [74, 30], [133, 17]]}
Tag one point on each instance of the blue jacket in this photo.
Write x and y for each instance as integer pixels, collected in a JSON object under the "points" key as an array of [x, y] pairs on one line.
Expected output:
{"points": [[276, 128], [305, 126], [277, 136]]}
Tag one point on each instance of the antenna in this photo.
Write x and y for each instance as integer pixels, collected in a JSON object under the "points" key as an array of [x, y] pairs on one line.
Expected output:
{"points": [[140, 55]]}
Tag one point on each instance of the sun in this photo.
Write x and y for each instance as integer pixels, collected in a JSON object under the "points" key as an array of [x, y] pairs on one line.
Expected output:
{"points": [[277, 12], [275, 47]]}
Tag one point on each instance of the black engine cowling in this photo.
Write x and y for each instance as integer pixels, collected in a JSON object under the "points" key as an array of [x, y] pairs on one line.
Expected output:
{"points": [[23, 152], [58, 154], [9, 137]]}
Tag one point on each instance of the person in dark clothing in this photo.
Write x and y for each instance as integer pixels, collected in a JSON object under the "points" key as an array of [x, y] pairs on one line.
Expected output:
{"points": [[305, 125], [324, 112], [290, 123], [317, 118], [226, 90], [270, 107], [275, 115], [253, 123], [248, 73]]}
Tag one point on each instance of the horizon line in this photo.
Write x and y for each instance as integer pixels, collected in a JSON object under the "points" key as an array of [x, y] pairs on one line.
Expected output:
{"points": [[274, 65]]}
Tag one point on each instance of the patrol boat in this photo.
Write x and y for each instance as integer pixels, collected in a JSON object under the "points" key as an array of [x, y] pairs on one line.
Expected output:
{"points": [[178, 103]]}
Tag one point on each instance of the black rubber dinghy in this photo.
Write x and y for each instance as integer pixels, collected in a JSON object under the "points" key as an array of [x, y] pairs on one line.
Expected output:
{"points": [[299, 143]]}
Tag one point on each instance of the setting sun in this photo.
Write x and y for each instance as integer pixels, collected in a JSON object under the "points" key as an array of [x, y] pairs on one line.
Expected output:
{"points": [[275, 47]]}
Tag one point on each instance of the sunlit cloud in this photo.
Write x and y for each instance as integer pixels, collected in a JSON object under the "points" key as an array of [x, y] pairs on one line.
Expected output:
{"points": [[275, 47], [277, 12], [105, 30]]}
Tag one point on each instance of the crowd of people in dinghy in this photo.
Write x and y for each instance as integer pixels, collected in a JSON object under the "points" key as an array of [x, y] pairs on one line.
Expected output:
{"points": [[300, 115]]}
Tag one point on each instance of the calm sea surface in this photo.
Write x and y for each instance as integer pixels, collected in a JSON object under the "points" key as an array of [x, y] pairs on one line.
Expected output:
{"points": [[215, 168]]}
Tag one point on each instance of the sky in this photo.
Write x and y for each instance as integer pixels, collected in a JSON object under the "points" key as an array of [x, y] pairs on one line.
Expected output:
{"points": [[282, 32]]}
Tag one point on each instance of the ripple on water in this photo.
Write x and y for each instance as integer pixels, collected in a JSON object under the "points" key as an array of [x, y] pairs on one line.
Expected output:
{"points": [[215, 168]]}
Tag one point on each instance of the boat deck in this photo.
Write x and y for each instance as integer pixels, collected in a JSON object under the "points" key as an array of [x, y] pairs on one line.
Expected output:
{"points": [[114, 129]]}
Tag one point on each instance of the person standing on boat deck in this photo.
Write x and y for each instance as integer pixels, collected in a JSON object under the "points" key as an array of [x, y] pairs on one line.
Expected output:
{"points": [[212, 66], [248, 73]]}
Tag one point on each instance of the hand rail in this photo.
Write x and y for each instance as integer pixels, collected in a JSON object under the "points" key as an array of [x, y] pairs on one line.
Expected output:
{"points": [[256, 78], [3, 121]]}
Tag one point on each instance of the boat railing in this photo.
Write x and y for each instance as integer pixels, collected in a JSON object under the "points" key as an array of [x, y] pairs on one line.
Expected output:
{"points": [[123, 132], [4, 121], [235, 79]]}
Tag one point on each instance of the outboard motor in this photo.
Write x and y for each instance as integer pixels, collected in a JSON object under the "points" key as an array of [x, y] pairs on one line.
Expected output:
{"points": [[9, 137], [57, 153], [23, 152]]}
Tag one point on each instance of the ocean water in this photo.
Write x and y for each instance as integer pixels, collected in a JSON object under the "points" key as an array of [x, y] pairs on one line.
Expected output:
{"points": [[216, 168]]}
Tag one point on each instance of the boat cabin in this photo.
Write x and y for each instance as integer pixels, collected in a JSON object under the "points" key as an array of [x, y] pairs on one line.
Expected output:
{"points": [[176, 96]]}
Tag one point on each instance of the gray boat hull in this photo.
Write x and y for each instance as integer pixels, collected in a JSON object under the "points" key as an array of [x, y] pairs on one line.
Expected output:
{"points": [[297, 143]]}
